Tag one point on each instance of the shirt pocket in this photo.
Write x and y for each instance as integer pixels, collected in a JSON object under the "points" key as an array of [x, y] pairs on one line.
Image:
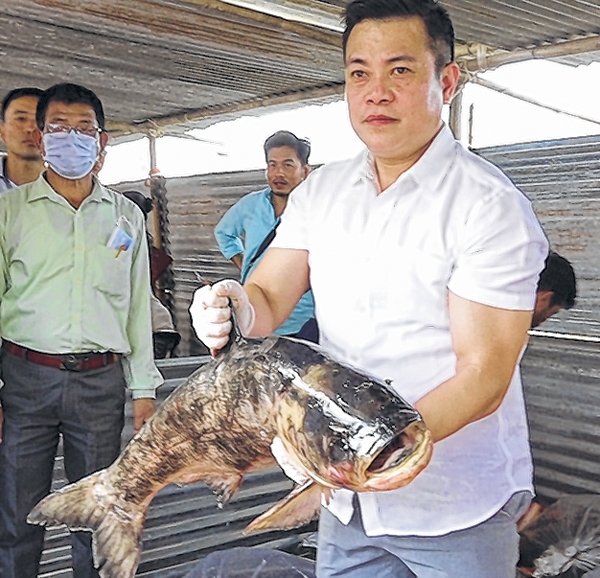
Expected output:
{"points": [[111, 271]]}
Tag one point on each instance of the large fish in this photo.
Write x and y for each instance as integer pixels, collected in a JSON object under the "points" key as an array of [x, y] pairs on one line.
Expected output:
{"points": [[339, 427]]}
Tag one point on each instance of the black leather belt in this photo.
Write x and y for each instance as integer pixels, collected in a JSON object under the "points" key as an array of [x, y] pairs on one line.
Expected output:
{"points": [[66, 361]]}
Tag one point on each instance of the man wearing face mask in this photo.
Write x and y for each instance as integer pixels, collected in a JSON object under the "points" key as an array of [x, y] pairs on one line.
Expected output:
{"points": [[74, 321]]}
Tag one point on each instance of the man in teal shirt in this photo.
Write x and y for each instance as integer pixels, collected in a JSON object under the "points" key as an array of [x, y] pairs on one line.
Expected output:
{"points": [[74, 321], [244, 232]]}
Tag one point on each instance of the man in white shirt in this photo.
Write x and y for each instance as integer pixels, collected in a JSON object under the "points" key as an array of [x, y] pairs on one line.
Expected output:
{"points": [[423, 260]]}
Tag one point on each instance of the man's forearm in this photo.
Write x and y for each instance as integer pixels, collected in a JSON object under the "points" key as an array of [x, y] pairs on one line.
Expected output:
{"points": [[237, 260], [470, 395], [265, 322]]}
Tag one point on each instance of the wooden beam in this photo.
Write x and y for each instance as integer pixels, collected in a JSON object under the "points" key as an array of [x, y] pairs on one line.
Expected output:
{"points": [[212, 115], [475, 58], [503, 90]]}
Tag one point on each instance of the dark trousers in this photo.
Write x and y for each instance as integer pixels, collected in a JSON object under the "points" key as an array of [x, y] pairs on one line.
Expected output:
{"points": [[309, 331], [40, 403]]}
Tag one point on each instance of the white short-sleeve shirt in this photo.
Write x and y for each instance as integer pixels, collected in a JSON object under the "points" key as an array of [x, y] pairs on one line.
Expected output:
{"points": [[381, 266]]}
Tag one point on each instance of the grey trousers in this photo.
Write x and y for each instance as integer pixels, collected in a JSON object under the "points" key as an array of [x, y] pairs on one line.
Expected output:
{"points": [[40, 403], [488, 550]]}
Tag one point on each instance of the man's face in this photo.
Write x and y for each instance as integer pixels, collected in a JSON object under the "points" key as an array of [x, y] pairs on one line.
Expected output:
{"points": [[19, 130], [394, 94], [76, 115], [543, 308], [285, 171]]}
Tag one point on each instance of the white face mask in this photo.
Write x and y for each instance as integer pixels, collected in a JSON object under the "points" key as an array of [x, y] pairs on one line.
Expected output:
{"points": [[70, 154]]}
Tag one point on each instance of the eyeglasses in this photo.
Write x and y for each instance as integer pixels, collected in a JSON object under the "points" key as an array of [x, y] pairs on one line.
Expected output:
{"points": [[88, 130]]}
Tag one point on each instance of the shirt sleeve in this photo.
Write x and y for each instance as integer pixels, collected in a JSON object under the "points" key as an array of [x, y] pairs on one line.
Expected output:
{"points": [[292, 232], [229, 230], [501, 251], [141, 373]]}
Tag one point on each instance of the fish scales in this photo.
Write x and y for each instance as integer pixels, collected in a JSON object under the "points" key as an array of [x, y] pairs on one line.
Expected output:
{"points": [[339, 428], [221, 420]]}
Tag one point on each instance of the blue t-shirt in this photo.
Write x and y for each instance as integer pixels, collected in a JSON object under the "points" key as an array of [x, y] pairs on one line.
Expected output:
{"points": [[242, 229]]}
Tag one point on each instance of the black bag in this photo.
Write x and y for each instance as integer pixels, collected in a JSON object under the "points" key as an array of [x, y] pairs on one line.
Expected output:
{"points": [[262, 247]]}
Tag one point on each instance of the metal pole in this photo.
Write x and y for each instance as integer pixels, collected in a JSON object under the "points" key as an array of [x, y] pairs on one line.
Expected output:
{"points": [[484, 61], [152, 148], [455, 120], [471, 115]]}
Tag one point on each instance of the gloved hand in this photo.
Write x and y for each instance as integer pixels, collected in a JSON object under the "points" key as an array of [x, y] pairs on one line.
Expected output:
{"points": [[290, 467], [211, 314]]}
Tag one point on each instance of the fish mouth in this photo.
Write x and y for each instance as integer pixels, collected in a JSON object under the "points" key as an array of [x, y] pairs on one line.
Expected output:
{"points": [[399, 462]]}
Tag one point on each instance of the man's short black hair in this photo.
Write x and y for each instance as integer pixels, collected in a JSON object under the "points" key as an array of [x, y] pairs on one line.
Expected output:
{"points": [[69, 94], [18, 93], [558, 276], [284, 138], [435, 17], [142, 201]]}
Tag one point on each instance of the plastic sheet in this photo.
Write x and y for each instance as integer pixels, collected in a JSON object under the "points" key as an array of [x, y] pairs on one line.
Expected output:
{"points": [[253, 563], [564, 540]]}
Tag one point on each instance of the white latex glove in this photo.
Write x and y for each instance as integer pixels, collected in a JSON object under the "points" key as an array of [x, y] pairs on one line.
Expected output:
{"points": [[211, 314], [289, 466]]}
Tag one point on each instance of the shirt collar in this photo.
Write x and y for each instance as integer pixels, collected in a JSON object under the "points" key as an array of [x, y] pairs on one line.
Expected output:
{"points": [[42, 189], [429, 171]]}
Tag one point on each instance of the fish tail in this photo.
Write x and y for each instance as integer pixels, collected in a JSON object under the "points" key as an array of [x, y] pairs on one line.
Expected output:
{"points": [[85, 505]]}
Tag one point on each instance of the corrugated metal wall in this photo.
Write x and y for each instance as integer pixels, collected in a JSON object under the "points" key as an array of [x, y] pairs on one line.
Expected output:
{"points": [[562, 178], [195, 205], [562, 390]]}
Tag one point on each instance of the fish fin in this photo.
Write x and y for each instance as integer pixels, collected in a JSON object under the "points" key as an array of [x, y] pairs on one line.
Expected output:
{"points": [[116, 533], [299, 507], [224, 487]]}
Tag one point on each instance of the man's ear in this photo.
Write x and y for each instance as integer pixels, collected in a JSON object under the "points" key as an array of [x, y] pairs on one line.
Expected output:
{"points": [[449, 79], [543, 299], [103, 140], [306, 169], [38, 138]]}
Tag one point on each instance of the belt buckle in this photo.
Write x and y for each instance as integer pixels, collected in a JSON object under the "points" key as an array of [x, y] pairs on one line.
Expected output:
{"points": [[70, 363]]}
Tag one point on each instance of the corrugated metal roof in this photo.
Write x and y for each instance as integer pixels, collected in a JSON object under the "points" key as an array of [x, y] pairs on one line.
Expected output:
{"points": [[173, 61], [511, 24]]}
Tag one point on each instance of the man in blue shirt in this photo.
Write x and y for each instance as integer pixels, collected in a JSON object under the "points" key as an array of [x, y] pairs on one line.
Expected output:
{"points": [[248, 226]]}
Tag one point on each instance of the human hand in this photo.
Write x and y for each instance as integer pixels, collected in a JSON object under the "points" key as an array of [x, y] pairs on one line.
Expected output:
{"points": [[211, 313], [290, 467], [143, 408]]}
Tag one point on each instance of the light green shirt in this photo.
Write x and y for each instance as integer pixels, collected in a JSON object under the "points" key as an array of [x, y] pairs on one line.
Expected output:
{"points": [[63, 290]]}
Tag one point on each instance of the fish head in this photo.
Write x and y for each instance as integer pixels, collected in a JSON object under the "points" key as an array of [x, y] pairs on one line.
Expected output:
{"points": [[343, 428]]}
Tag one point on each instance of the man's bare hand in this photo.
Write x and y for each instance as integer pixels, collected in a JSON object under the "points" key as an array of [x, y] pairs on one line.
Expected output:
{"points": [[143, 409]]}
